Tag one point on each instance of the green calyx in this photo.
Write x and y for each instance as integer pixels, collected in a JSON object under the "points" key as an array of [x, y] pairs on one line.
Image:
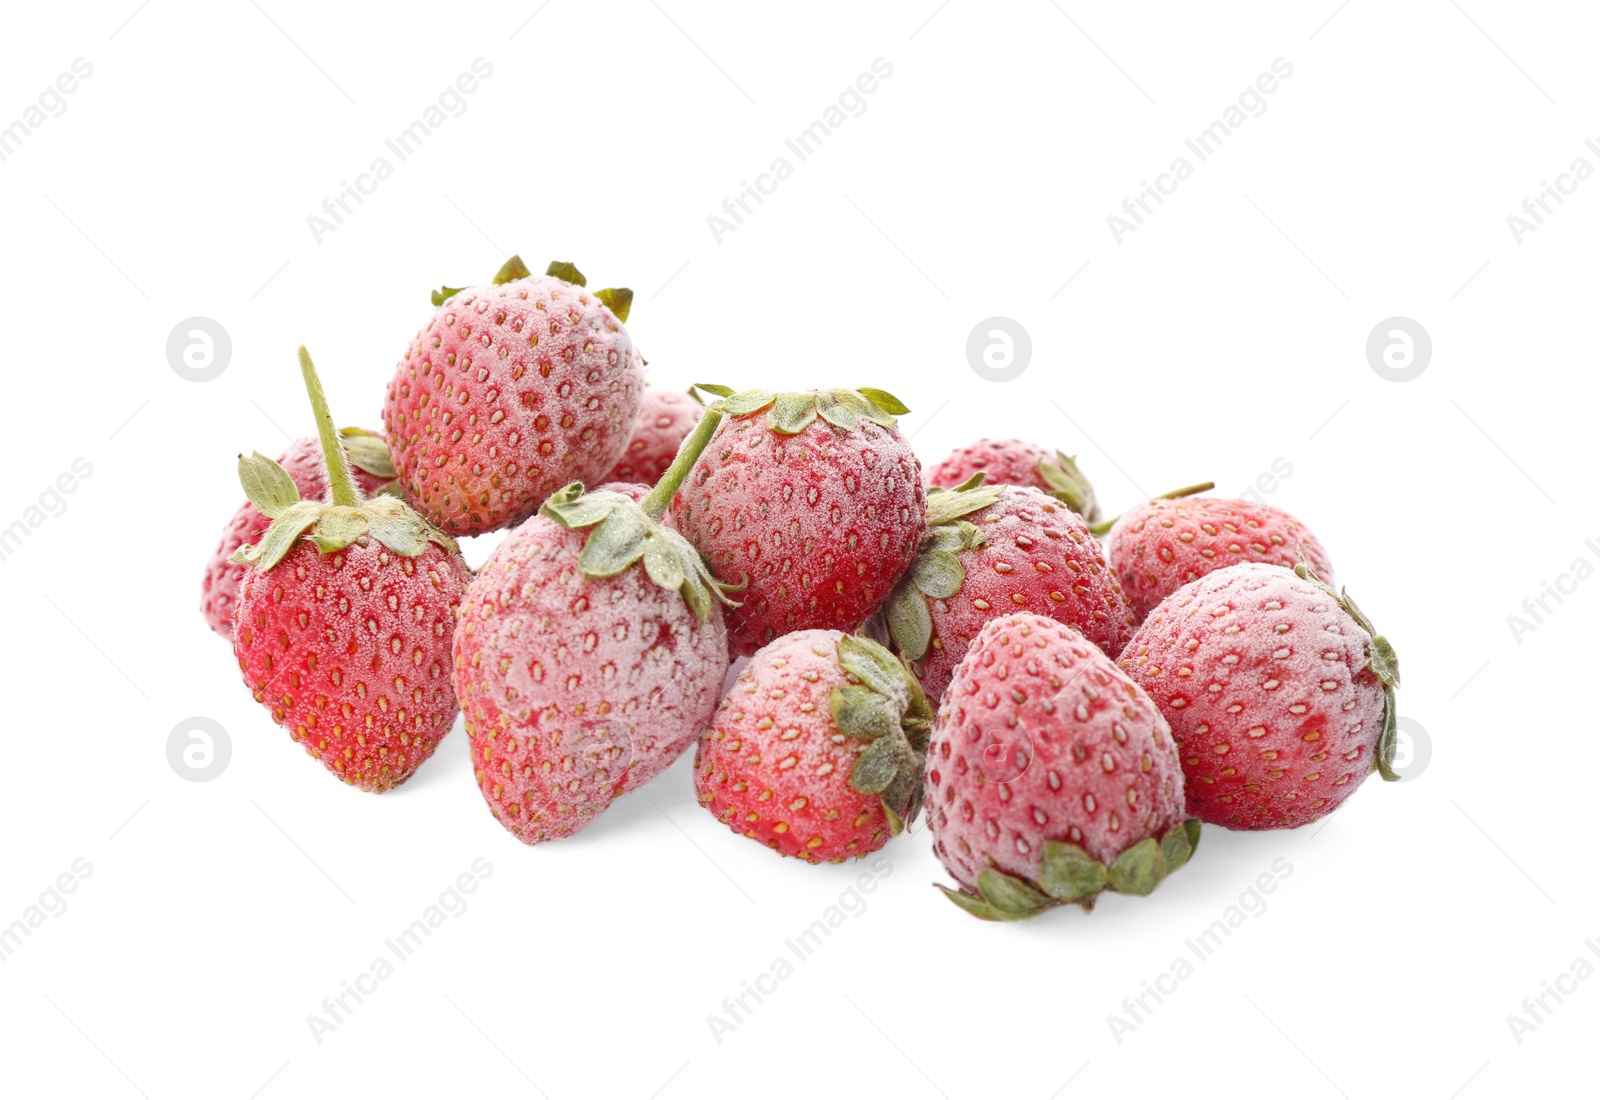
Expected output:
{"points": [[617, 299], [1070, 876], [937, 572], [624, 533], [884, 706], [346, 515], [792, 413], [1383, 662], [1069, 486]]}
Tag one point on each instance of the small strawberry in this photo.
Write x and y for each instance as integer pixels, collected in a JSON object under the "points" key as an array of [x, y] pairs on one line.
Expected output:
{"points": [[1051, 776], [812, 502], [992, 550], [1279, 691], [369, 462], [1160, 546], [509, 393], [816, 750], [342, 623], [589, 653], [665, 421], [1015, 462]]}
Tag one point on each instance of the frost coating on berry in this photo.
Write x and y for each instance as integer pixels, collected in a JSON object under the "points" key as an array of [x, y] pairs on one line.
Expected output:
{"points": [[303, 462], [665, 419], [576, 689], [1265, 680], [776, 766], [818, 524], [350, 651], [507, 394], [1161, 545], [1026, 552], [1042, 741], [1018, 462]]}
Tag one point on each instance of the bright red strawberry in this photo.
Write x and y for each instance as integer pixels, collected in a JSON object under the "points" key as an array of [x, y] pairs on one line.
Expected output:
{"points": [[816, 750], [993, 550], [589, 654], [1280, 694], [343, 621], [1015, 462], [369, 463], [1160, 546], [665, 420], [812, 502], [1051, 776], [510, 392]]}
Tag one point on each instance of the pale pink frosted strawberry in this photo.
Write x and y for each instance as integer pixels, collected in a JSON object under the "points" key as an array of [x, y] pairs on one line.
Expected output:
{"points": [[1161, 545], [589, 654], [991, 551], [811, 503], [343, 620], [510, 392], [1051, 775], [1016, 462], [1279, 692], [665, 420], [369, 462]]}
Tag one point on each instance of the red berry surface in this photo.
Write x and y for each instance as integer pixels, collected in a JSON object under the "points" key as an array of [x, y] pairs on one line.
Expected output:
{"points": [[1161, 545], [1266, 681], [220, 586], [576, 689], [350, 651], [776, 767], [1042, 738], [507, 394], [665, 420], [817, 524]]}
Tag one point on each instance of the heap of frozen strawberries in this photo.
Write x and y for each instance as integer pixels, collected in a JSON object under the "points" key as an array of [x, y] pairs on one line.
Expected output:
{"points": [[954, 642]]}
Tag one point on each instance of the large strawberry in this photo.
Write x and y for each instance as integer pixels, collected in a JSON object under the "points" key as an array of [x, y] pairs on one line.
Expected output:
{"points": [[993, 550], [589, 653], [1279, 691], [369, 463], [1015, 462], [816, 750], [811, 502], [1051, 776], [665, 420], [343, 621], [1161, 545], [510, 392]]}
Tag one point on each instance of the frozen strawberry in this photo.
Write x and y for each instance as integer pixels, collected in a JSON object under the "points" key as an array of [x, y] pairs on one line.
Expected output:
{"points": [[589, 654], [369, 463], [810, 503], [1015, 462], [994, 550], [510, 392], [1051, 776], [343, 620], [1279, 691], [1160, 546], [665, 420], [816, 750]]}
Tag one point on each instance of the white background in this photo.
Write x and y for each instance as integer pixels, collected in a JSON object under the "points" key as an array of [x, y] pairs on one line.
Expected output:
{"points": [[1227, 332]]}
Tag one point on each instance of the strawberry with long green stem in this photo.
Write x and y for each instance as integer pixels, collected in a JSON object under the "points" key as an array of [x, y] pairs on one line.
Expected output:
{"points": [[343, 620], [589, 653]]}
